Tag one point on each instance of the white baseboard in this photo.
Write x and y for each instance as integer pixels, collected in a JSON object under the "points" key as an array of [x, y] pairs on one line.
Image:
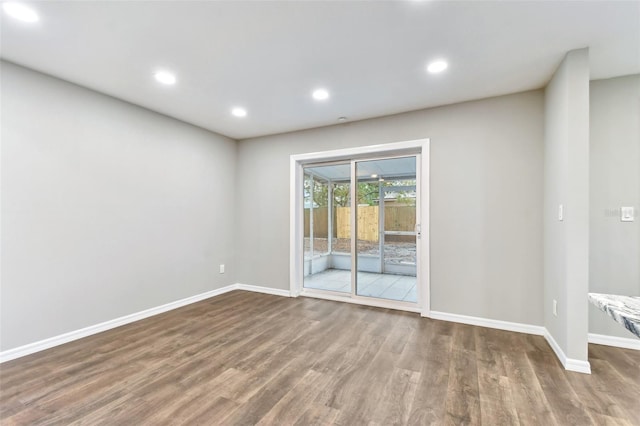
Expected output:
{"points": [[489, 323], [107, 325], [265, 290], [41, 345], [568, 363], [618, 342]]}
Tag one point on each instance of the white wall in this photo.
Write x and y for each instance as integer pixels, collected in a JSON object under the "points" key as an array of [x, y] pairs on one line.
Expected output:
{"points": [[107, 208], [566, 182], [614, 256], [486, 198]]}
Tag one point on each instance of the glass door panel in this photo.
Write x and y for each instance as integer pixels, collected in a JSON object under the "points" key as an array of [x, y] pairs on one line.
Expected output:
{"points": [[327, 260], [385, 217]]}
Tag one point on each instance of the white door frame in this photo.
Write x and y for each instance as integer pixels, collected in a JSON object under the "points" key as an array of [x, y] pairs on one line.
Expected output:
{"points": [[296, 249]]}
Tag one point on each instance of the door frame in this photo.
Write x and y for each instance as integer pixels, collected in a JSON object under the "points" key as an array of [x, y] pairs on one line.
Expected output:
{"points": [[296, 249]]}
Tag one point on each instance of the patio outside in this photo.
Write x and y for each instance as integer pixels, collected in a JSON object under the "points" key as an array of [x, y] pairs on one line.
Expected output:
{"points": [[386, 238]]}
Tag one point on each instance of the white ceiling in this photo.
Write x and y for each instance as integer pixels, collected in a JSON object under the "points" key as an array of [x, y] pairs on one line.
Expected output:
{"points": [[268, 56]]}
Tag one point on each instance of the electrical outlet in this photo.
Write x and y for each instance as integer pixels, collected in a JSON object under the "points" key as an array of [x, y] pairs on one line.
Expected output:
{"points": [[222, 268], [626, 214], [555, 307]]}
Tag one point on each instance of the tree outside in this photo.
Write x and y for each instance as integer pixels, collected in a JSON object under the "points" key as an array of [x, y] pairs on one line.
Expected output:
{"points": [[368, 192]]}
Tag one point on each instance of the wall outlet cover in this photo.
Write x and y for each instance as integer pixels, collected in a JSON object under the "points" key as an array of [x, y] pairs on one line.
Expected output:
{"points": [[627, 214]]}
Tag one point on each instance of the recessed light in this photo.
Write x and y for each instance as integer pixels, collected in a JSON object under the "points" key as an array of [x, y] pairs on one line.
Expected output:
{"points": [[20, 11], [320, 94], [342, 119], [437, 66], [165, 77], [239, 112]]}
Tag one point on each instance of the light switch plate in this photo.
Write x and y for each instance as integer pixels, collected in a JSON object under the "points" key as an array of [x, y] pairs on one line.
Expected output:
{"points": [[560, 212], [626, 214]]}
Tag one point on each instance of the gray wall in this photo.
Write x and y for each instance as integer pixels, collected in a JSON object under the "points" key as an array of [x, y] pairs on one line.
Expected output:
{"points": [[107, 208], [614, 256], [486, 197], [566, 182]]}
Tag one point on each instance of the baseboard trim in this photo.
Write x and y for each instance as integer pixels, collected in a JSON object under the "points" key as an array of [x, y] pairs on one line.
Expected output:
{"points": [[41, 345], [61, 339], [568, 363], [618, 342], [489, 323], [265, 290]]}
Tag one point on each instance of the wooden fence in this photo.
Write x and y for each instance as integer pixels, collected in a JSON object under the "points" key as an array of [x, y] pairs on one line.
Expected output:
{"points": [[367, 222], [396, 218], [399, 218], [320, 222]]}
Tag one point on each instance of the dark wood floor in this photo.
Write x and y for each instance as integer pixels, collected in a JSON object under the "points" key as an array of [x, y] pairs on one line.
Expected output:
{"points": [[248, 358]]}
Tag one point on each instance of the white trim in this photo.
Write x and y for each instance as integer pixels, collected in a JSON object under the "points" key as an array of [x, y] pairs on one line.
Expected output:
{"points": [[359, 152], [41, 345], [296, 161], [353, 227], [360, 300], [578, 366], [568, 363], [618, 342], [296, 267], [265, 290], [489, 323], [424, 263]]}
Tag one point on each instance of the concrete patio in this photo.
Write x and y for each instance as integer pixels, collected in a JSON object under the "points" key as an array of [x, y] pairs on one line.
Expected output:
{"points": [[385, 286]]}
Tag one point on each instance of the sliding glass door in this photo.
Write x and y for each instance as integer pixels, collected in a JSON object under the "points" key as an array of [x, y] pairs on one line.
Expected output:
{"points": [[360, 228], [327, 242], [386, 229]]}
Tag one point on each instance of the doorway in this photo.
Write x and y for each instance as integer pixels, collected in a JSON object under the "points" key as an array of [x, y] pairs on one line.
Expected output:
{"points": [[358, 231]]}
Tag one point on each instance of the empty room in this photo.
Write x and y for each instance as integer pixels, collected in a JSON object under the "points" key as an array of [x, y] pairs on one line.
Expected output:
{"points": [[320, 212]]}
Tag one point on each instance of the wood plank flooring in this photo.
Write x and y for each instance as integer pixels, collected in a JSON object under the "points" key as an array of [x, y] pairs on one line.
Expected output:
{"points": [[246, 358]]}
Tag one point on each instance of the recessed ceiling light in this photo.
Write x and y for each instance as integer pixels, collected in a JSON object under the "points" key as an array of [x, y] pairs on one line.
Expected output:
{"points": [[20, 11], [165, 77], [320, 94], [342, 119], [437, 66], [239, 112]]}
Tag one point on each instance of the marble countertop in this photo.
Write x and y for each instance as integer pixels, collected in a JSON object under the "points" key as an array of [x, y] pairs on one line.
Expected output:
{"points": [[623, 309]]}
